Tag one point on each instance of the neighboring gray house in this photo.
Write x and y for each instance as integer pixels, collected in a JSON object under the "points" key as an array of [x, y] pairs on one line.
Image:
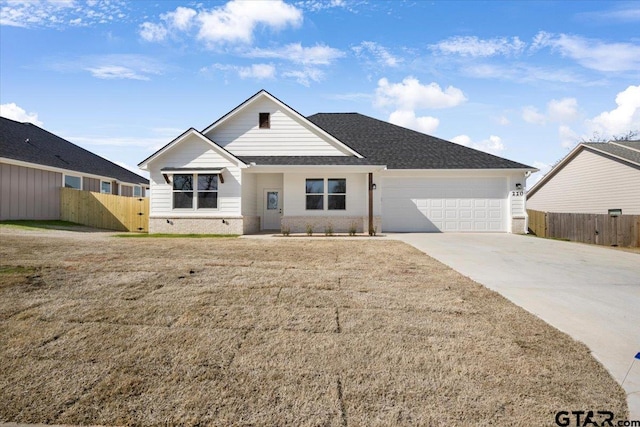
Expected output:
{"points": [[264, 166], [592, 178], [35, 163]]}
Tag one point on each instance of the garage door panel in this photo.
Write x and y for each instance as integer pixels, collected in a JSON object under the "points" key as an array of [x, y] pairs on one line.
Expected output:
{"points": [[424, 205]]}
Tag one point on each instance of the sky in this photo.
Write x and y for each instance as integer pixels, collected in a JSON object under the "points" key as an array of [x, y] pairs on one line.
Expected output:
{"points": [[525, 80]]}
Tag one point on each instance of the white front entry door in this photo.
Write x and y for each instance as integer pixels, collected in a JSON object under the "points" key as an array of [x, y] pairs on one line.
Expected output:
{"points": [[272, 209]]}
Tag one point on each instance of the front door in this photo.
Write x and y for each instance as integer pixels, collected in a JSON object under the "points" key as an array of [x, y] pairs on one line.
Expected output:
{"points": [[272, 211]]}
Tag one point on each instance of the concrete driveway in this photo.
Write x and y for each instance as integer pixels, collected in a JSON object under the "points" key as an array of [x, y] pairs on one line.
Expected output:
{"points": [[591, 293]]}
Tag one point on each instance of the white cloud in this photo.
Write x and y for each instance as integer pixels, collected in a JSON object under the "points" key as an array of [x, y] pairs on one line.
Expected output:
{"points": [[153, 32], [318, 5], [410, 94], [305, 76], [491, 145], [537, 176], [624, 118], [118, 66], [472, 46], [503, 120], [562, 110], [258, 71], [115, 72], [181, 18], [295, 52], [235, 22], [14, 112], [60, 13], [530, 114], [381, 54], [568, 138], [591, 53], [408, 119]]}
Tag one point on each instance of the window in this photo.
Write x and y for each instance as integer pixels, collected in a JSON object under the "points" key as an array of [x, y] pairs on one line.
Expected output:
{"points": [[137, 191], [264, 120], [337, 190], [71, 181], [182, 191], [315, 194], [336, 193], [206, 191], [105, 187]]}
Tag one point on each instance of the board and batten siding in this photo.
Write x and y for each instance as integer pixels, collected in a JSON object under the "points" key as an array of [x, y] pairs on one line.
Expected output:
{"points": [[194, 153], [287, 136], [29, 193], [590, 183]]}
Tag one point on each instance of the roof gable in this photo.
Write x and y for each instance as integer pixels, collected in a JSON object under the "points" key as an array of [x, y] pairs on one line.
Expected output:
{"points": [[238, 131], [402, 148], [617, 150], [29, 143], [185, 136]]}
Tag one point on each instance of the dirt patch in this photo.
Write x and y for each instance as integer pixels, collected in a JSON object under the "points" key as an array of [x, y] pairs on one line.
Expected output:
{"points": [[101, 330]]}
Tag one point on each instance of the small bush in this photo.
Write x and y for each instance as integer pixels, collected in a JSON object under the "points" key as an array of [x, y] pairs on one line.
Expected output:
{"points": [[286, 230], [309, 230], [373, 231], [328, 230], [353, 229]]}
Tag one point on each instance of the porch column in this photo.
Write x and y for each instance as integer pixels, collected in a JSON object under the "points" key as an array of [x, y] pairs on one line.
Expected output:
{"points": [[370, 203]]}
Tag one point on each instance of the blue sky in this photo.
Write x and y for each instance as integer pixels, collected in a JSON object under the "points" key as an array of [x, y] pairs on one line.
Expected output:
{"points": [[525, 80]]}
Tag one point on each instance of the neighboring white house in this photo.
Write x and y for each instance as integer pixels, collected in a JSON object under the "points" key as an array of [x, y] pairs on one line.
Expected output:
{"points": [[263, 166], [35, 164], [592, 178]]}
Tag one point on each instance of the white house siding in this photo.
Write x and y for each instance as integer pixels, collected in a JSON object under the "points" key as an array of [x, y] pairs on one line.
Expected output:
{"points": [[287, 136], [590, 183], [296, 216], [194, 153], [29, 193], [249, 195]]}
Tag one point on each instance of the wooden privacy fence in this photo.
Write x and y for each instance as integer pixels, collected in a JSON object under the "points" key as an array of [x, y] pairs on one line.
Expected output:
{"points": [[598, 229], [104, 210]]}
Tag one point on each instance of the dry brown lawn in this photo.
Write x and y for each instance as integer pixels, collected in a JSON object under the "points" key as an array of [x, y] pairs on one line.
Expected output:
{"points": [[307, 332]]}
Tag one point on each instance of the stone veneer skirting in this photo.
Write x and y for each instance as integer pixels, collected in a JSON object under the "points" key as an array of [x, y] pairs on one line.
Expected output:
{"points": [[339, 224], [518, 225], [197, 225]]}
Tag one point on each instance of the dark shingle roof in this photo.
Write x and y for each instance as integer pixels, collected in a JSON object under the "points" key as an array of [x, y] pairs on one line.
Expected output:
{"points": [[307, 160], [45, 148], [631, 144], [400, 148], [617, 150]]}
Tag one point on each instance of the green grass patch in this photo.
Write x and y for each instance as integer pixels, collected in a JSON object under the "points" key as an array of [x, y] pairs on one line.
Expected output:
{"points": [[15, 269], [167, 235], [47, 224]]}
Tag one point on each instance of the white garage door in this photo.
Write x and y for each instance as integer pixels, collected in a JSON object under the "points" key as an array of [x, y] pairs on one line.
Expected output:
{"points": [[444, 204]]}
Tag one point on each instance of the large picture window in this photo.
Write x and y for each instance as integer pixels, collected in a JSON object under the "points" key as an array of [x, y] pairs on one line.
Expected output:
{"points": [[206, 191], [336, 193]]}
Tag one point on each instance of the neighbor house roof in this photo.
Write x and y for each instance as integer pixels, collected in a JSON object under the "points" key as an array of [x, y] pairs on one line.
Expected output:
{"points": [[401, 148], [625, 151], [27, 142], [621, 149]]}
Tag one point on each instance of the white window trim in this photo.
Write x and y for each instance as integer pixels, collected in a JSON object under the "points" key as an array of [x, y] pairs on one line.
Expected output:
{"points": [[64, 175], [195, 191], [102, 181], [325, 195]]}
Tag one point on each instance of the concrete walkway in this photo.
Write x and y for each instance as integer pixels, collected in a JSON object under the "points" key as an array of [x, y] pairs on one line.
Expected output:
{"points": [[591, 293]]}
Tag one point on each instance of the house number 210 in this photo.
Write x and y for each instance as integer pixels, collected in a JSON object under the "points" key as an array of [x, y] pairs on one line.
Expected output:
{"points": [[517, 193]]}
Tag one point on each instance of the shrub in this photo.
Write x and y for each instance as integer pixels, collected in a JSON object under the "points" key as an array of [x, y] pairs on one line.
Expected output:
{"points": [[286, 230], [353, 229], [328, 230], [309, 230]]}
